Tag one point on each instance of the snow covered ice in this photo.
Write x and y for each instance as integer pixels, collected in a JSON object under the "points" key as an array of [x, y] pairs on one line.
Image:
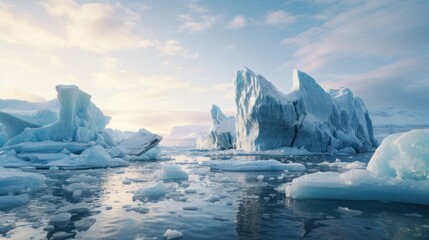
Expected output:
{"points": [[221, 134], [398, 172], [309, 117]]}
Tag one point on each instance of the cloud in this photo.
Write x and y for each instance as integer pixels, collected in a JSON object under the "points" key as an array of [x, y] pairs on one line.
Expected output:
{"points": [[90, 26], [201, 24], [279, 18], [16, 30], [197, 8], [359, 32], [236, 23], [173, 47], [404, 83], [97, 26]]}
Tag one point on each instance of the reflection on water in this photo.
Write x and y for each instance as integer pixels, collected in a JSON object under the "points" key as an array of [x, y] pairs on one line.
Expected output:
{"points": [[210, 205]]}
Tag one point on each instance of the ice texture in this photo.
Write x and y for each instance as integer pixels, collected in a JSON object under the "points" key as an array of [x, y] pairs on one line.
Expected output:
{"points": [[403, 155], [397, 172], [309, 117], [155, 191], [16, 181], [257, 165], [172, 234], [77, 139], [140, 142], [221, 134], [79, 120], [173, 172]]}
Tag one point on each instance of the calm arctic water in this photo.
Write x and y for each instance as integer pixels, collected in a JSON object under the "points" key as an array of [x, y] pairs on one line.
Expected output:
{"points": [[216, 205]]}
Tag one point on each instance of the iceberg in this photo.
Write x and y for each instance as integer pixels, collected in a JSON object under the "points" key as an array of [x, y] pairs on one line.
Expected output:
{"points": [[308, 117], [75, 138], [397, 172], [221, 134]]}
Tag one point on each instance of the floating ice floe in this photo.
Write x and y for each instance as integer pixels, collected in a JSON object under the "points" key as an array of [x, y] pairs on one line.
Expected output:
{"points": [[173, 172], [155, 191], [309, 116], [14, 181], [397, 172], [344, 165], [257, 165], [221, 134], [172, 234]]}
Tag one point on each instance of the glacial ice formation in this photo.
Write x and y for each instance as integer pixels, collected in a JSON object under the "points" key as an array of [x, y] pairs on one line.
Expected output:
{"points": [[308, 117], [76, 138], [221, 134], [398, 172]]}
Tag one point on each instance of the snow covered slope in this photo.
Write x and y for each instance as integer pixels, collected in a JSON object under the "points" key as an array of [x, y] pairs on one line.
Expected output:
{"points": [[307, 117], [221, 134], [391, 120], [184, 136]]}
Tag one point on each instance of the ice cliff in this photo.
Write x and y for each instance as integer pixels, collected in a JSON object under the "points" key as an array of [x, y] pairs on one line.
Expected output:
{"points": [[221, 134], [76, 138], [307, 117]]}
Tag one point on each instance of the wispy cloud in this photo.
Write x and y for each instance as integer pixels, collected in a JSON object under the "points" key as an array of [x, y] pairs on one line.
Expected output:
{"points": [[173, 47], [200, 24], [21, 31], [359, 32], [237, 22], [279, 18], [98, 26]]}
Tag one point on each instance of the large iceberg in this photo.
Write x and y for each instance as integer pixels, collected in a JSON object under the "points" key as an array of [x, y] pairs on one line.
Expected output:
{"points": [[398, 171], [221, 134], [308, 117], [77, 139]]}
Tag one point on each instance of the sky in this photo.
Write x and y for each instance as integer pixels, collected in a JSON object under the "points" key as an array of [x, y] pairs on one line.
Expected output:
{"points": [[163, 63]]}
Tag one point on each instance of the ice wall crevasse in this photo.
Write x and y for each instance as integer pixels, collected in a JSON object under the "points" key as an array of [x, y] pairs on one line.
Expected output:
{"points": [[221, 134], [307, 117]]}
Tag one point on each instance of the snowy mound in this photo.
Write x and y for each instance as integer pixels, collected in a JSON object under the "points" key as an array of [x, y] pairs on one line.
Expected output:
{"points": [[397, 172], [221, 134], [184, 136], [307, 117], [76, 140]]}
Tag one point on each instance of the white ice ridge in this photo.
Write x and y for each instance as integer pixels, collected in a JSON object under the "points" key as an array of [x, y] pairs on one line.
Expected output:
{"points": [[309, 117], [221, 134], [398, 172]]}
